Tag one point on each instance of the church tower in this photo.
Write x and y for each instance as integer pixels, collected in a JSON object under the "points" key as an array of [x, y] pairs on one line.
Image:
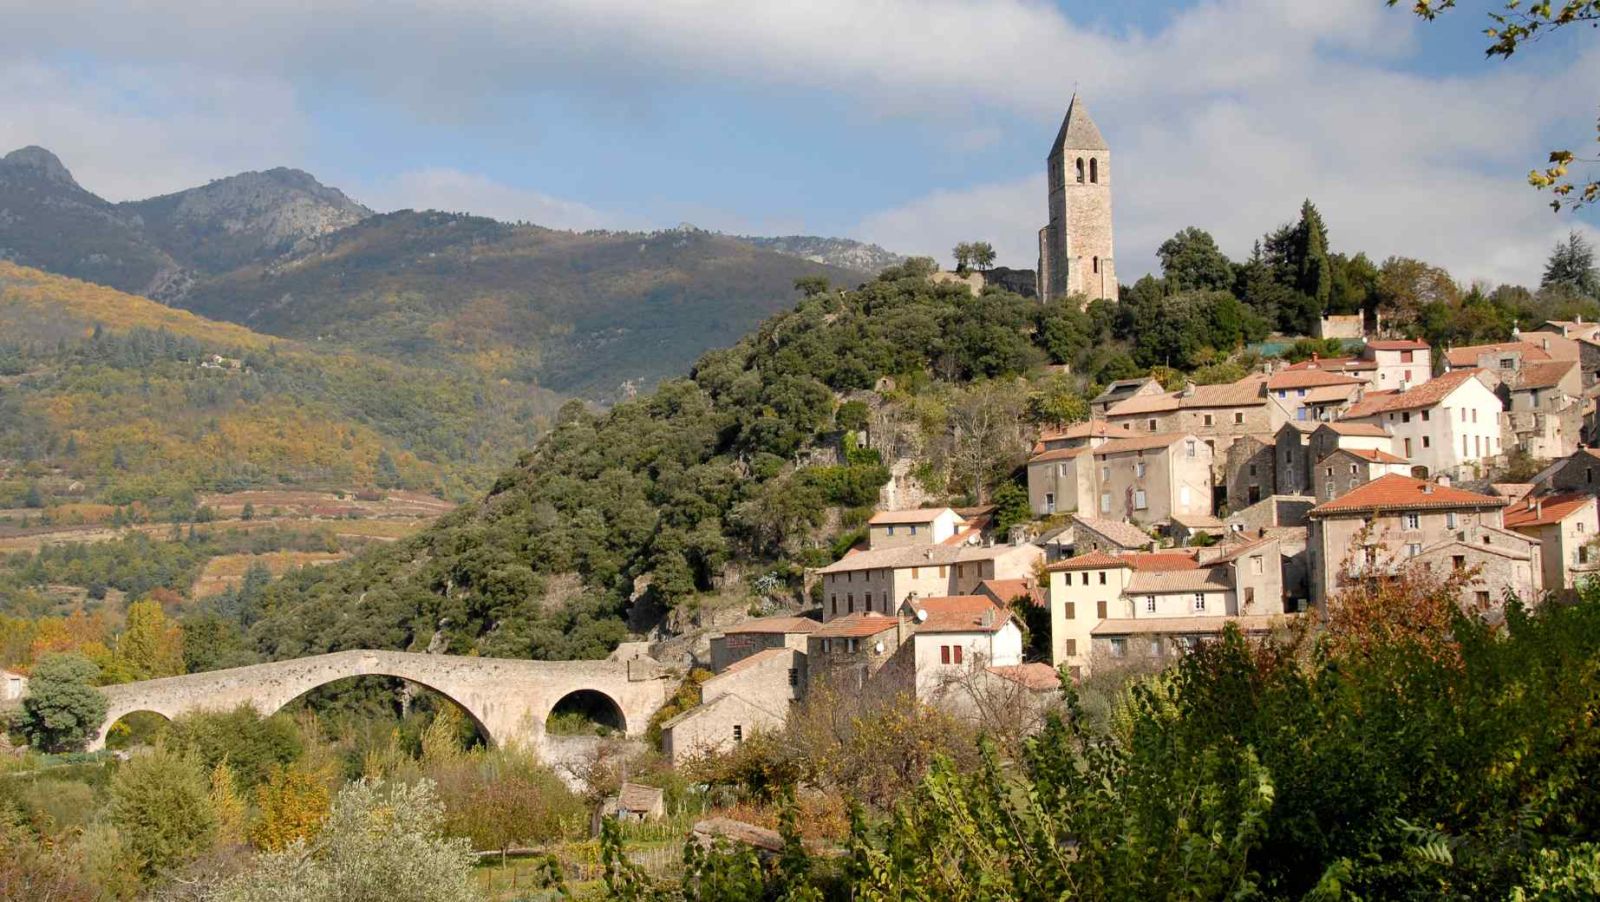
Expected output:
{"points": [[1075, 253]]}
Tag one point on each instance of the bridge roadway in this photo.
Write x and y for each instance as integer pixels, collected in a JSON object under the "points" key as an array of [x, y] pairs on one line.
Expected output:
{"points": [[510, 699]]}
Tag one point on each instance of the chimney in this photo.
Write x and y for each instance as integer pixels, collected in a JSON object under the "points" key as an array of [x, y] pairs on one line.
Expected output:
{"points": [[1427, 488], [1538, 508]]}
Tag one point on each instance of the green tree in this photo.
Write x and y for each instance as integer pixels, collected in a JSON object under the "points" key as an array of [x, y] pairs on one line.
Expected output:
{"points": [[1314, 272], [62, 709], [983, 255], [963, 255], [248, 512], [382, 842], [811, 286], [1571, 267], [1191, 260], [161, 805], [33, 498]]}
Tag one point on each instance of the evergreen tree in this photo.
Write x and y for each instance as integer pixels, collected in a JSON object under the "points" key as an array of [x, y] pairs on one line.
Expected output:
{"points": [[1191, 260], [151, 645], [161, 803], [1314, 274], [1571, 267], [62, 708]]}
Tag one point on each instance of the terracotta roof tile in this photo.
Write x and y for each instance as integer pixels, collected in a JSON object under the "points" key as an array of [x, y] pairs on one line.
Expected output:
{"points": [[1467, 356], [1427, 394], [1253, 623], [1293, 379], [1545, 511], [1143, 404], [1547, 374], [957, 614], [854, 626], [774, 625], [1398, 344], [918, 515], [1009, 590], [1094, 560], [1376, 456], [1366, 429], [1158, 561], [1085, 429], [756, 660], [1058, 454], [1396, 492], [1192, 579], [918, 556]]}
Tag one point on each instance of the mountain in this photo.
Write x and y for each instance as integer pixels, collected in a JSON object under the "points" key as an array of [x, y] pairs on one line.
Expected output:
{"points": [[117, 399], [47, 220], [594, 314], [841, 252], [243, 219]]}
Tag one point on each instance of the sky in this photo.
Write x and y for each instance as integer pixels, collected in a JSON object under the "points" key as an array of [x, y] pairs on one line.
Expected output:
{"points": [[914, 124]]}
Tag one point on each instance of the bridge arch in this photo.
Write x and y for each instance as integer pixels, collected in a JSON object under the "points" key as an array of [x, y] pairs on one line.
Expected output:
{"points": [[471, 715], [509, 700], [593, 705]]}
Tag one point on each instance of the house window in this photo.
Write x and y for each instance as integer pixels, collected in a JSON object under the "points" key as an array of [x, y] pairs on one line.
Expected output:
{"points": [[1105, 473], [1151, 425], [794, 676], [1139, 500], [1190, 447], [1405, 357], [891, 530], [1072, 648], [1413, 549], [1300, 393], [943, 571], [1483, 599], [913, 529], [1207, 419], [833, 600], [738, 732], [850, 645], [1408, 447], [1256, 565], [1330, 488], [1413, 521], [1238, 418], [1579, 526], [1049, 502], [1458, 561], [1424, 413], [1100, 609], [1150, 604], [1405, 417], [1583, 554], [915, 571], [1427, 441], [956, 651], [1070, 610], [1105, 502], [1155, 646], [1252, 469], [1086, 577], [827, 645], [1450, 520], [1474, 414], [1138, 470], [1119, 647], [1199, 601], [1283, 393], [1354, 469], [944, 654], [850, 603], [1096, 262]]}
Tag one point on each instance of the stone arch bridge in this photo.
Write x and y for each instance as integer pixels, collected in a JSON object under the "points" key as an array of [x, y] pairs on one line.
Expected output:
{"points": [[508, 698]]}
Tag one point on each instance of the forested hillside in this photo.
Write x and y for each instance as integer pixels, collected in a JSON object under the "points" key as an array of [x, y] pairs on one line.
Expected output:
{"points": [[111, 399], [591, 314]]}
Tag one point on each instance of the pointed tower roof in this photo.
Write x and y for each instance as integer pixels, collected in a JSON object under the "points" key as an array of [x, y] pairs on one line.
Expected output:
{"points": [[1078, 131]]}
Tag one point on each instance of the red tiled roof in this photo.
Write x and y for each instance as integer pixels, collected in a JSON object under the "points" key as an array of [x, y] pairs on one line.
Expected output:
{"points": [[1159, 561], [774, 625], [1058, 454], [1377, 457], [1467, 356], [1396, 492], [1398, 344], [760, 657], [1291, 379], [1334, 364], [919, 515], [1545, 511], [1546, 374], [957, 614], [854, 626], [1094, 560], [1086, 429], [1425, 395]]}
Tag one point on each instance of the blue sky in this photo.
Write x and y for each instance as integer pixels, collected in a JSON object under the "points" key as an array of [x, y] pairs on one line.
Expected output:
{"points": [[912, 123]]}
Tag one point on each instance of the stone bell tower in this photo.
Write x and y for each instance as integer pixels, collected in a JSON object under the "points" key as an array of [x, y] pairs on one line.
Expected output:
{"points": [[1075, 251]]}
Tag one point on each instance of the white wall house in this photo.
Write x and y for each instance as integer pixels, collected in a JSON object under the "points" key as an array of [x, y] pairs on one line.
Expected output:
{"points": [[1449, 426]]}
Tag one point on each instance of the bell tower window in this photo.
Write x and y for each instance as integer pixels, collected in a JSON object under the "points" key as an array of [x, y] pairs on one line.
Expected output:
{"points": [[1094, 171], [1080, 170]]}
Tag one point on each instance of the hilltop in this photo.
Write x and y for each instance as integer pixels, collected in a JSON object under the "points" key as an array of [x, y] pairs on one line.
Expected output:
{"points": [[595, 314]]}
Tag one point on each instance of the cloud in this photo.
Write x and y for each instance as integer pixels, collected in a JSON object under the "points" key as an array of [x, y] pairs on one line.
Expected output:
{"points": [[456, 191], [1223, 114], [134, 131]]}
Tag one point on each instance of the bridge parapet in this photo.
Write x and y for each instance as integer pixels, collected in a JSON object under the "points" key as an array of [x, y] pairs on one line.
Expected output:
{"points": [[509, 698]]}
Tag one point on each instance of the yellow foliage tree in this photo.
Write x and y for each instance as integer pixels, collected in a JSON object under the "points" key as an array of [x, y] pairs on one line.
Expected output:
{"points": [[152, 644], [292, 805], [227, 805], [441, 741]]}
